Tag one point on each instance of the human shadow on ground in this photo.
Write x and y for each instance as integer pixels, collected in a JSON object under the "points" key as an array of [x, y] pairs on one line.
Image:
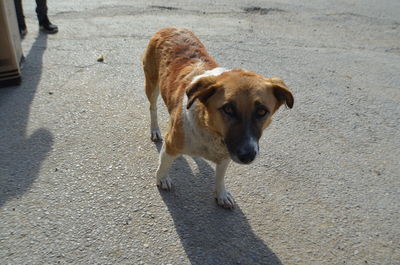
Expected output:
{"points": [[209, 233], [21, 155]]}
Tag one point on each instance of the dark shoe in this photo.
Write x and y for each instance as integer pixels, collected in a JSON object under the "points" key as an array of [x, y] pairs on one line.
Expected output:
{"points": [[46, 26]]}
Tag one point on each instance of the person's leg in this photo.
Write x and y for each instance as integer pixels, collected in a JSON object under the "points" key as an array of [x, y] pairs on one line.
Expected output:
{"points": [[20, 17], [41, 10], [44, 22]]}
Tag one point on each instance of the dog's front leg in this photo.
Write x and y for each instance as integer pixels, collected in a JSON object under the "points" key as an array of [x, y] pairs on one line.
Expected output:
{"points": [[223, 197], [165, 162]]}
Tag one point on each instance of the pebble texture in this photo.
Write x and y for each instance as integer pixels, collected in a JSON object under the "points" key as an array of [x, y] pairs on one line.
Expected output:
{"points": [[77, 165]]}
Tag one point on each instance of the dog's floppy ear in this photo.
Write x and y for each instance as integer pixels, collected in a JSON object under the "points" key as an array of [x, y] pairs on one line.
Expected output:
{"points": [[282, 93], [201, 89]]}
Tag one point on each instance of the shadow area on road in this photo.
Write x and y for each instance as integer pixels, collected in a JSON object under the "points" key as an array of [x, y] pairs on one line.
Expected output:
{"points": [[209, 233], [21, 155]]}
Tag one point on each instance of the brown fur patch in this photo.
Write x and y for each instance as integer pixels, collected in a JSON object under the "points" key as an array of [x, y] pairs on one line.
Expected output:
{"points": [[172, 58]]}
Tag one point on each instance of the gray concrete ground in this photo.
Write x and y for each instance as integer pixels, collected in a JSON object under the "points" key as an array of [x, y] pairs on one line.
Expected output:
{"points": [[77, 165]]}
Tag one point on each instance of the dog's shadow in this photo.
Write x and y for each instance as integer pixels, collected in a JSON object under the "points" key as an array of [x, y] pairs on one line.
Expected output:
{"points": [[209, 233]]}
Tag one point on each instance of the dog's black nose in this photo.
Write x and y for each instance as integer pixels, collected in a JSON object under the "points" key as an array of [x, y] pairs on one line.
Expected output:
{"points": [[246, 155]]}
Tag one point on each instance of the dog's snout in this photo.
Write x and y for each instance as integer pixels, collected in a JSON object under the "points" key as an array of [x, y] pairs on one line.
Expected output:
{"points": [[247, 154], [244, 151]]}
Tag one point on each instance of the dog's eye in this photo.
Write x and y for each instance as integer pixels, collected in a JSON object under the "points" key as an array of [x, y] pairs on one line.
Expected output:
{"points": [[260, 113], [228, 110]]}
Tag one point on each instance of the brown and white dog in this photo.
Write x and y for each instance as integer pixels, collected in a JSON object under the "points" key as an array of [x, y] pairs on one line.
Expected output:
{"points": [[215, 113]]}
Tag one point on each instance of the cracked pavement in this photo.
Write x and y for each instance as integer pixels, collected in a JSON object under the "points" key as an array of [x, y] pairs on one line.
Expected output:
{"points": [[77, 165]]}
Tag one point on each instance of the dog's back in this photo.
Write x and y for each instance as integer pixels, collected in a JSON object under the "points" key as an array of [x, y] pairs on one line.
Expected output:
{"points": [[172, 58]]}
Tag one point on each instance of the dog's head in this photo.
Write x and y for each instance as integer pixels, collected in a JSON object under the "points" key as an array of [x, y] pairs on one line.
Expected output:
{"points": [[238, 106]]}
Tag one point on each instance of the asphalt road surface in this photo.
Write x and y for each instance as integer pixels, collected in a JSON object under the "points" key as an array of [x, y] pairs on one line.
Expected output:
{"points": [[77, 165]]}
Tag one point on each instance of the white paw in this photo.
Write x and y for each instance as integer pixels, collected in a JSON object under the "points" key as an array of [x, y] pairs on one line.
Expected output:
{"points": [[225, 199], [165, 183], [156, 135]]}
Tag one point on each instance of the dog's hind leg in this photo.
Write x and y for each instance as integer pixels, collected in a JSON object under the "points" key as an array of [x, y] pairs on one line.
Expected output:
{"points": [[152, 92]]}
